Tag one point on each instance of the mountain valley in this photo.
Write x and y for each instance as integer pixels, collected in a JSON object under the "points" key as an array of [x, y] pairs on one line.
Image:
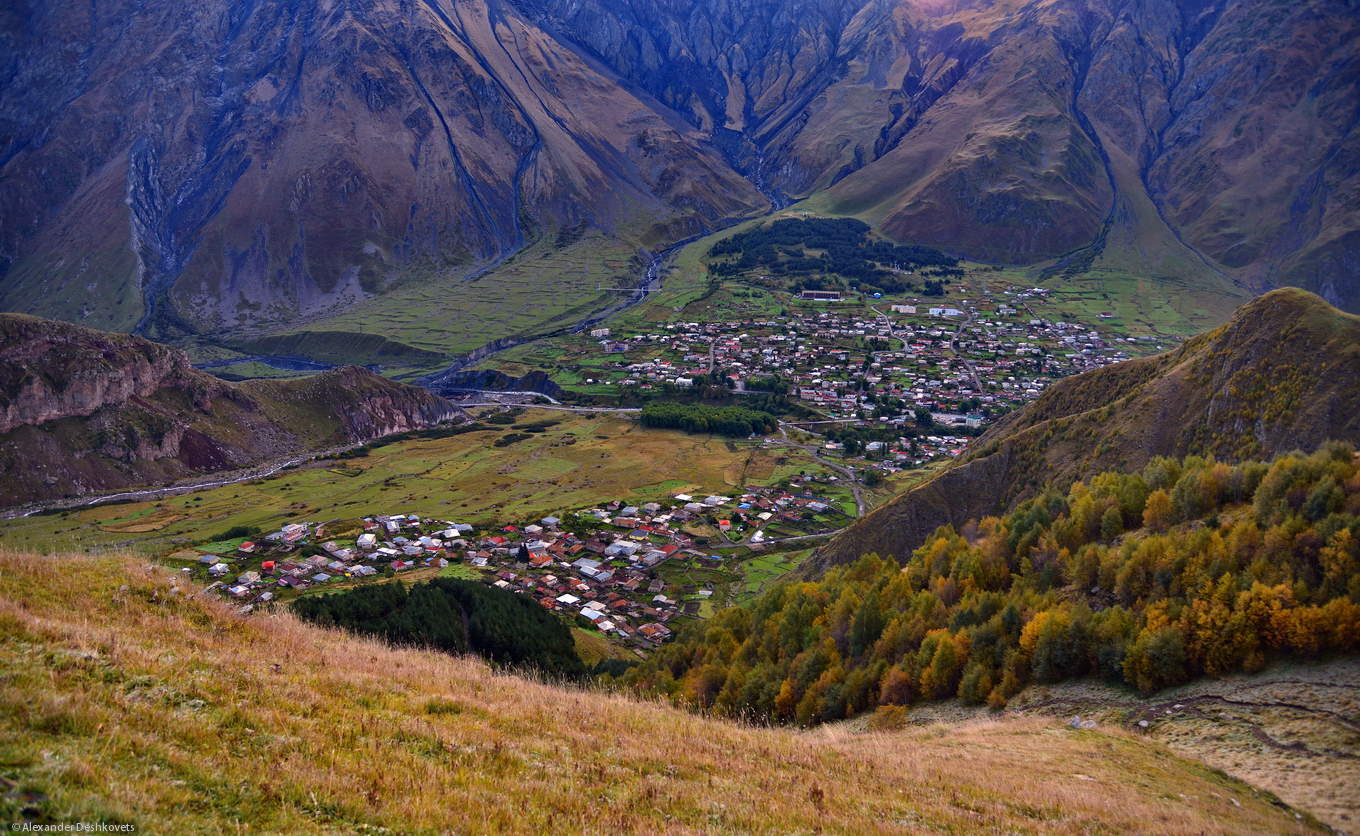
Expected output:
{"points": [[548, 151], [848, 416]]}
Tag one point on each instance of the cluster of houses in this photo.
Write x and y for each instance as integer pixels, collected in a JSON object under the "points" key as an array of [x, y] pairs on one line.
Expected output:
{"points": [[598, 566], [998, 363], [961, 364]]}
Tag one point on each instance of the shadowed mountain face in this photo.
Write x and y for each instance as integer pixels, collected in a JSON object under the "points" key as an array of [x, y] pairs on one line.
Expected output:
{"points": [[253, 162], [1214, 137]]}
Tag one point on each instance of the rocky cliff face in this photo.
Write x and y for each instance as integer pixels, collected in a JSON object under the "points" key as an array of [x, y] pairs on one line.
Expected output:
{"points": [[1213, 140], [1283, 374], [87, 411], [239, 164], [51, 370], [366, 405]]}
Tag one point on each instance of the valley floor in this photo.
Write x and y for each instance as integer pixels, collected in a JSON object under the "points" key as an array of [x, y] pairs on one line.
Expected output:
{"points": [[129, 698]]}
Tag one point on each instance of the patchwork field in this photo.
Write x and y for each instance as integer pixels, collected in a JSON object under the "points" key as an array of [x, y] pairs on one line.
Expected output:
{"points": [[579, 461], [1140, 306]]}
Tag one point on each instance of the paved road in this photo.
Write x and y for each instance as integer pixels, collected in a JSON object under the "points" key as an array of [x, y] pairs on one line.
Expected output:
{"points": [[521, 392], [953, 341], [816, 452], [892, 331], [968, 364], [258, 472], [774, 541]]}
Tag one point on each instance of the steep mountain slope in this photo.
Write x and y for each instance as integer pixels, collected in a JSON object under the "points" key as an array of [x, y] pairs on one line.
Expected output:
{"points": [[1202, 141], [249, 167], [1283, 374], [1193, 570], [248, 163], [84, 410], [128, 699]]}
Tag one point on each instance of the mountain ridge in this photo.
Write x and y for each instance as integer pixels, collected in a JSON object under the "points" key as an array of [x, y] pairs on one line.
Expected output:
{"points": [[1279, 376], [1024, 131], [240, 170], [367, 137], [84, 411]]}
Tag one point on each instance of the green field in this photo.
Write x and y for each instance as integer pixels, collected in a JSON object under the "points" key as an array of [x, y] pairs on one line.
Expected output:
{"points": [[1141, 307], [758, 573], [738, 577], [535, 291], [579, 462]]}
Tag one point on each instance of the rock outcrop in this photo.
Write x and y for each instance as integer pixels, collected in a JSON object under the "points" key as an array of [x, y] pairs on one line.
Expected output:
{"points": [[84, 411], [51, 370]]}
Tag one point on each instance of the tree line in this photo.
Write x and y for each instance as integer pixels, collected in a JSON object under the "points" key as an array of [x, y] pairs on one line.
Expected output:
{"points": [[455, 616], [733, 421], [1188, 568]]}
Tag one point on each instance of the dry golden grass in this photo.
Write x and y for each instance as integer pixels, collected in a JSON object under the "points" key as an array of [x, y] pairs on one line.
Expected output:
{"points": [[127, 698]]}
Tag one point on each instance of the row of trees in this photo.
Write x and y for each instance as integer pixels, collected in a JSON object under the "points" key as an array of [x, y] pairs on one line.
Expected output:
{"points": [[733, 421], [716, 390], [455, 616], [1190, 567]]}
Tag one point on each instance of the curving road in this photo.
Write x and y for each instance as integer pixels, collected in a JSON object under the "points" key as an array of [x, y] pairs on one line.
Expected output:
{"points": [[816, 453], [258, 472]]}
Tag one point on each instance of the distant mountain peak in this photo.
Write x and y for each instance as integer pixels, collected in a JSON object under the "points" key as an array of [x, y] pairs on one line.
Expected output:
{"points": [[234, 169]]}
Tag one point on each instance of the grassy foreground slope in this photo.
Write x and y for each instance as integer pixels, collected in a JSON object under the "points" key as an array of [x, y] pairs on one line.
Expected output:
{"points": [[128, 700]]}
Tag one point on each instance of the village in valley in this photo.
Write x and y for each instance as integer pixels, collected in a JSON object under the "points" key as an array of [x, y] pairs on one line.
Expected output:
{"points": [[871, 388], [863, 393], [604, 568], [894, 383]]}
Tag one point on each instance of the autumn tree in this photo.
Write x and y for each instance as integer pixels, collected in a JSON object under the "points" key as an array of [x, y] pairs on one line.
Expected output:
{"points": [[1156, 659], [1158, 510]]}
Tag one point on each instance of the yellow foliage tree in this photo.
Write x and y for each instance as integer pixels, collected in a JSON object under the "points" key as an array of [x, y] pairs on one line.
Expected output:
{"points": [[1157, 511]]}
